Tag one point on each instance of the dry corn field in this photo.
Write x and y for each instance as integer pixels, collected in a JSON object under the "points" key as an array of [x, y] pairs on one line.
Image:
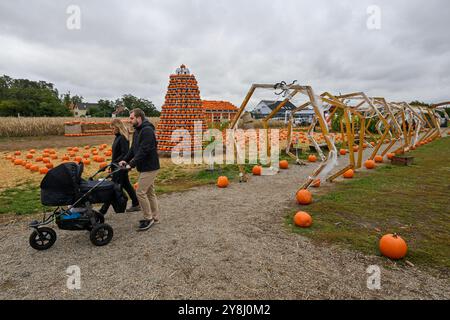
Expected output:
{"points": [[42, 126]]}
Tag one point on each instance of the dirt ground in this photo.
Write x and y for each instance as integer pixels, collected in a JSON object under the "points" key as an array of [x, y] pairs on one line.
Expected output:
{"points": [[211, 244]]}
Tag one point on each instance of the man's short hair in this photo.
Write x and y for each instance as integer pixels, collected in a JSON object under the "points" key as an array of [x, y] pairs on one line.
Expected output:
{"points": [[138, 113]]}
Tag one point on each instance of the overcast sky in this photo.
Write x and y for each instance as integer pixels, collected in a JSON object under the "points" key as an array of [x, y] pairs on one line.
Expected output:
{"points": [[133, 46]]}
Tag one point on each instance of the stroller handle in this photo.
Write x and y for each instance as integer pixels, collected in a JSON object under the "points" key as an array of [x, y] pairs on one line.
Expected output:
{"points": [[116, 168]]}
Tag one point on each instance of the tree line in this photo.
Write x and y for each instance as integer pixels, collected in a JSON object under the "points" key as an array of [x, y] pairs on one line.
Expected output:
{"points": [[27, 98]]}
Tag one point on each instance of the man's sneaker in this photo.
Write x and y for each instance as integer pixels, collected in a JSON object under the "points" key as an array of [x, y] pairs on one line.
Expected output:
{"points": [[145, 224], [134, 209]]}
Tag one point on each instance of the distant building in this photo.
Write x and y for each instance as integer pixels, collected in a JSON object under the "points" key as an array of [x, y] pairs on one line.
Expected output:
{"points": [[266, 107], [120, 111], [81, 109], [219, 111]]}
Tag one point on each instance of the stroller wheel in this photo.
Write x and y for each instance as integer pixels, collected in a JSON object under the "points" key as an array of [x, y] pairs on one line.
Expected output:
{"points": [[101, 234], [99, 219], [42, 238]]}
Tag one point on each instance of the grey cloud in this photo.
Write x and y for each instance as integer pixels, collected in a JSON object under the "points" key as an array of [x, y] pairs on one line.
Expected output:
{"points": [[133, 46]]}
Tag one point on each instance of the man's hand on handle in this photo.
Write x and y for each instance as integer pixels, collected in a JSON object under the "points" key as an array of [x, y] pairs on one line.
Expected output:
{"points": [[124, 164]]}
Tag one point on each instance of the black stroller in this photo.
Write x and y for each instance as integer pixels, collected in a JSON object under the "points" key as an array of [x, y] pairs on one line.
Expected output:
{"points": [[63, 186]]}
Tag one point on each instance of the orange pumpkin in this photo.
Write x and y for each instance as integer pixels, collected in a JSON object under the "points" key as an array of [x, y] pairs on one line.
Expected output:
{"points": [[343, 152], [390, 156], [312, 158], [39, 159], [18, 162], [34, 168], [378, 159], [349, 174], [32, 151], [45, 160], [302, 219], [257, 170], [304, 197], [393, 246], [29, 156], [86, 155], [222, 182], [17, 153], [284, 164], [28, 165], [49, 165], [86, 162], [369, 164], [316, 183], [43, 170], [103, 165], [65, 158]]}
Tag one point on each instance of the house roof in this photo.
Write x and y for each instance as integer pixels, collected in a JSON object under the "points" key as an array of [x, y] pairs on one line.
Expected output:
{"points": [[85, 106], [209, 105], [273, 104]]}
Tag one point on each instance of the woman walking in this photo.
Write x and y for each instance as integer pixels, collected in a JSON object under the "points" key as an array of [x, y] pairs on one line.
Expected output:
{"points": [[120, 148]]}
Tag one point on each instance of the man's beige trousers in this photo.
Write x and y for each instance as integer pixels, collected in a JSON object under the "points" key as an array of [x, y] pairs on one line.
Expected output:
{"points": [[147, 196]]}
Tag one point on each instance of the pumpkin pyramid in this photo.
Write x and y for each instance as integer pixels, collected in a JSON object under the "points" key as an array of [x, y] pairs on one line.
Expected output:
{"points": [[183, 110]]}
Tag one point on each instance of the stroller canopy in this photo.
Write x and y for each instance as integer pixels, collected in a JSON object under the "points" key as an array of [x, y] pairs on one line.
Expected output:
{"points": [[64, 178]]}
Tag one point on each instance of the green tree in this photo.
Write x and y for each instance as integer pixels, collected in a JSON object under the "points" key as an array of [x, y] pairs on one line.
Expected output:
{"points": [[29, 98], [104, 108], [131, 102]]}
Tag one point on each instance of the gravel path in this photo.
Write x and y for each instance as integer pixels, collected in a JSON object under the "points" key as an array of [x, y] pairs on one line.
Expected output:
{"points": [[211, 244]]}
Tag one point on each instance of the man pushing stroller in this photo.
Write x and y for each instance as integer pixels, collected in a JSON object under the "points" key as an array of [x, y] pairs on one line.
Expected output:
{"points": [[143, 156]]}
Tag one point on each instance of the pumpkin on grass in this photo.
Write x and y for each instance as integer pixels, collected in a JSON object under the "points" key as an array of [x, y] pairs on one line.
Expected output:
{"points": [[312, 158], [349, 174], [369, 164], [284, 164], [393, 246], [304, 197], [378, 159], [390, 155], [43, 170], [316, 183], [222, 182], [302, 219], [257, 170]]}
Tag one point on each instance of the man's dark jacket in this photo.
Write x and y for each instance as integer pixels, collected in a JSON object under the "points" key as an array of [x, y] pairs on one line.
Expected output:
{"points": [[143, 153]]}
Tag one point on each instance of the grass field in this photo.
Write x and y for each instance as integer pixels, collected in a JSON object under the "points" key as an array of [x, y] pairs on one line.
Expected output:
{"points": [[411, 201]]}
